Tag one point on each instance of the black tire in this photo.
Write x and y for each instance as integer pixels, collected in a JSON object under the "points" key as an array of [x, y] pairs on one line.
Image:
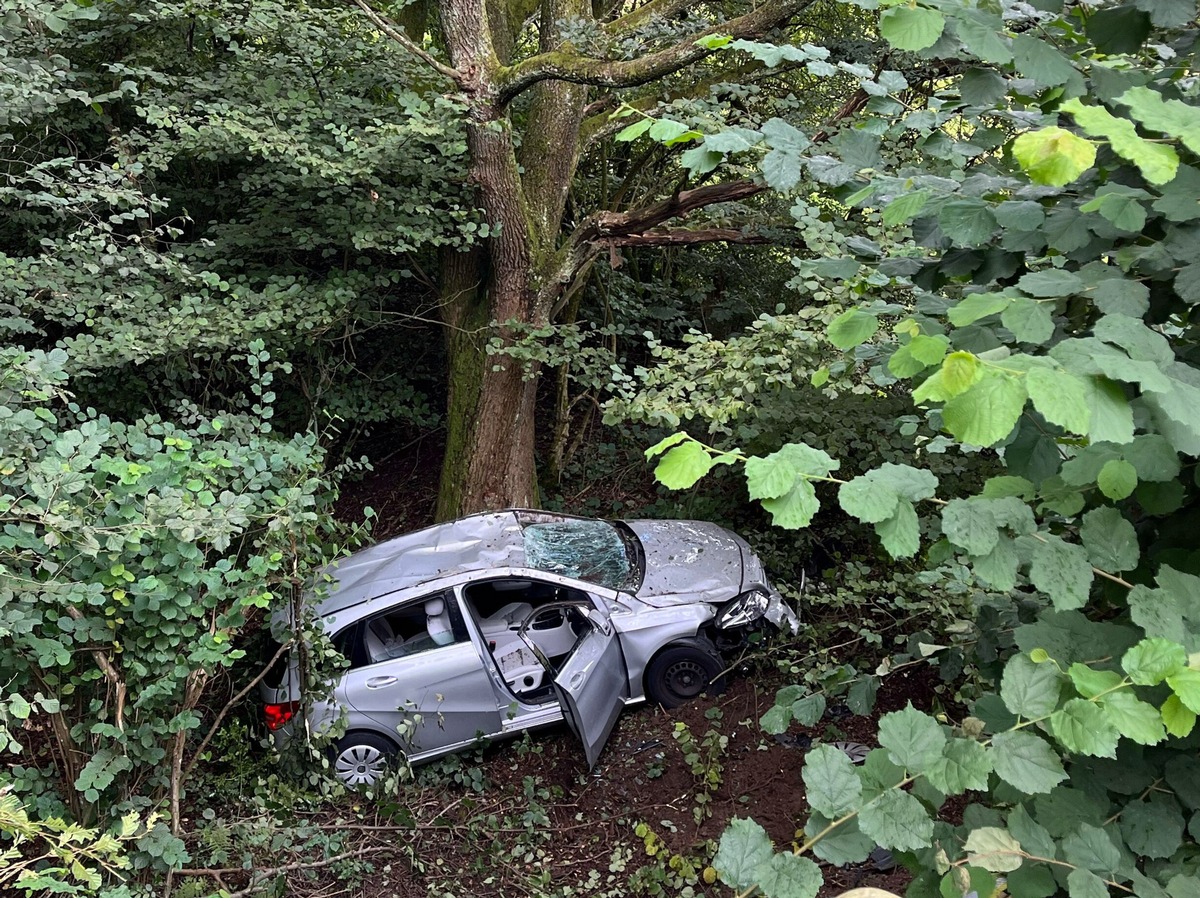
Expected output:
{"points": [[361, 759], [682, 671]]}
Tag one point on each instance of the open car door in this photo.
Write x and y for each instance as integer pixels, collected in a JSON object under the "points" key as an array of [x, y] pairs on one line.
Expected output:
{"points": [[592, 684]]}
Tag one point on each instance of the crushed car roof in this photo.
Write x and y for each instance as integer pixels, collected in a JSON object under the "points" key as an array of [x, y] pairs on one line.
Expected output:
{"points": [[478, 542]]}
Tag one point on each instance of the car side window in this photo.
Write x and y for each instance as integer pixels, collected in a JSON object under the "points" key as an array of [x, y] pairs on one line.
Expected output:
{"points": [[417, 626]]}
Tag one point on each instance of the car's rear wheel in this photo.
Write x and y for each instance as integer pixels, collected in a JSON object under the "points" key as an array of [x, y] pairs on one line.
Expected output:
{"points": [[682, 671], [362, 759]]}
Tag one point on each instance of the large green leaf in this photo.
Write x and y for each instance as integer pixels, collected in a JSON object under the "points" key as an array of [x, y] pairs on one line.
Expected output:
{"points": [[1117, 479], [1053, 156], [1028, 689], [898, 821], [967, 222], [1157, 162], [841, 846], [1051, 282], [1152, 827], [988, 411], [994, 849], [1152, 660], [1061, 397], [795, 508], [964, 765], [913, 739], [901, 533], [682, 466], [911, 27], [1118, 29], [970, 524], [1061, 570], [852, 327], [1026, 762], [1172, 117], [1133, 718], [1091, 847], [905, 207], [832, 784], [789, 876], [1110, 540], [1082, 727], [1040, 60], [743, 850]]}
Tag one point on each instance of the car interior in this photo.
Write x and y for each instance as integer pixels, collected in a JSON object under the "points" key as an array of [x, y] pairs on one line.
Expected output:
{"points": [[501, 606]]}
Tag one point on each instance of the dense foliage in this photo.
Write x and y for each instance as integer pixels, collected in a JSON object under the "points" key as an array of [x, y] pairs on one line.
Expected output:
{"points": [[1033, 281]]}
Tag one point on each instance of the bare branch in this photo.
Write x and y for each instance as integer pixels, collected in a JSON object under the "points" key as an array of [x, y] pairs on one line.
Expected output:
{"points": [[569, 65], [397, 34], [687, 237]]}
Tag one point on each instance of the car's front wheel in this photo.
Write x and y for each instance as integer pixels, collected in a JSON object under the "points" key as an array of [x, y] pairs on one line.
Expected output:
{"points": [[362, 759], [682, 671]]}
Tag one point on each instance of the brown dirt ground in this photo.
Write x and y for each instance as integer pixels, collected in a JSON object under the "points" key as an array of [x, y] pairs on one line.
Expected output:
{"points": [[446, 839]]}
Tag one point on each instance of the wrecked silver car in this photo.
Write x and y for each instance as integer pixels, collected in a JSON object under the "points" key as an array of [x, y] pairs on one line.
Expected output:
{"points": [[497, 623]]}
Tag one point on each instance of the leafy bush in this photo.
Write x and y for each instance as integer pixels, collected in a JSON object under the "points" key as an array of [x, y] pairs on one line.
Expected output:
{"points": [[1035, 271], [134, 555]]}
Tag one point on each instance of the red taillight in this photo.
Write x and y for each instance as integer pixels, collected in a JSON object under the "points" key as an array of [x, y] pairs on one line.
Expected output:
{"points": [[278, 715]]}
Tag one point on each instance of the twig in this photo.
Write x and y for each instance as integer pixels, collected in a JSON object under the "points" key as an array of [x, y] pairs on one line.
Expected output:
{"points": [[411, 46]]}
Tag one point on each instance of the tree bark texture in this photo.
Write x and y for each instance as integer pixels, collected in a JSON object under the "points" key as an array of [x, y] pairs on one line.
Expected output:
{"points": [[527, 268]]}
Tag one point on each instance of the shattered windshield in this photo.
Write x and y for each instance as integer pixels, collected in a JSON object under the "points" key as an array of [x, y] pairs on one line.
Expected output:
{"points": [[593, 551]]}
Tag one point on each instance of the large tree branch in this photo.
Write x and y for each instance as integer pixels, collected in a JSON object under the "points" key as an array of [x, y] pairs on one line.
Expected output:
{"points": [[620, 224], [687, 237], [396, 33], [643, 15], [569, 65]]}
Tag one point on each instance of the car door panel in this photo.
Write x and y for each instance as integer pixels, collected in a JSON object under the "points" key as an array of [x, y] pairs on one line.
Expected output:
{"points": [[431, 700], [592, 687]]}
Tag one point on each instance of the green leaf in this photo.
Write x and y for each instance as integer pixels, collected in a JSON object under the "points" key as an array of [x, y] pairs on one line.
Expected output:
{"points": [[905, 207], [967, 222], [1061, 570], [1081, 726], [844, 845], [1039, 60], [743, 849], [1112, 418], [1186, 685], [1172, 117], [1061, 397], [971, 525], [967, 881], [988, 411], [18, 707], [901, 533], [852, 327], [998, 568], [1026, 762], [1133, 718], [985, 40], [1029, 321], [1117, 479], [795, 508], [1085, 884], [832, 785], [964, 765], [1158, 163], [664, 444], [1120, 29], [1152, 828], [1120, 206], [634, 131], [1153, 660], [669, 132], [1090, 847], [683, 466], [1052, 282], [993, 848], [1179, 720], [1090, 682], [914, 740], [1121, 296], [1110, 540], [790, 876], [1030, 690], [1180, 200], [1053, 156], [770, 477], [808, 711], [898, 821], [776, 720], [911, 27], [976, 306], [865, 499]]}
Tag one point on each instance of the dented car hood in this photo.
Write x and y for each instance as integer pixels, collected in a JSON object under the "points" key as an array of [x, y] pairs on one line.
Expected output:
{"points": [[688, 561]]}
